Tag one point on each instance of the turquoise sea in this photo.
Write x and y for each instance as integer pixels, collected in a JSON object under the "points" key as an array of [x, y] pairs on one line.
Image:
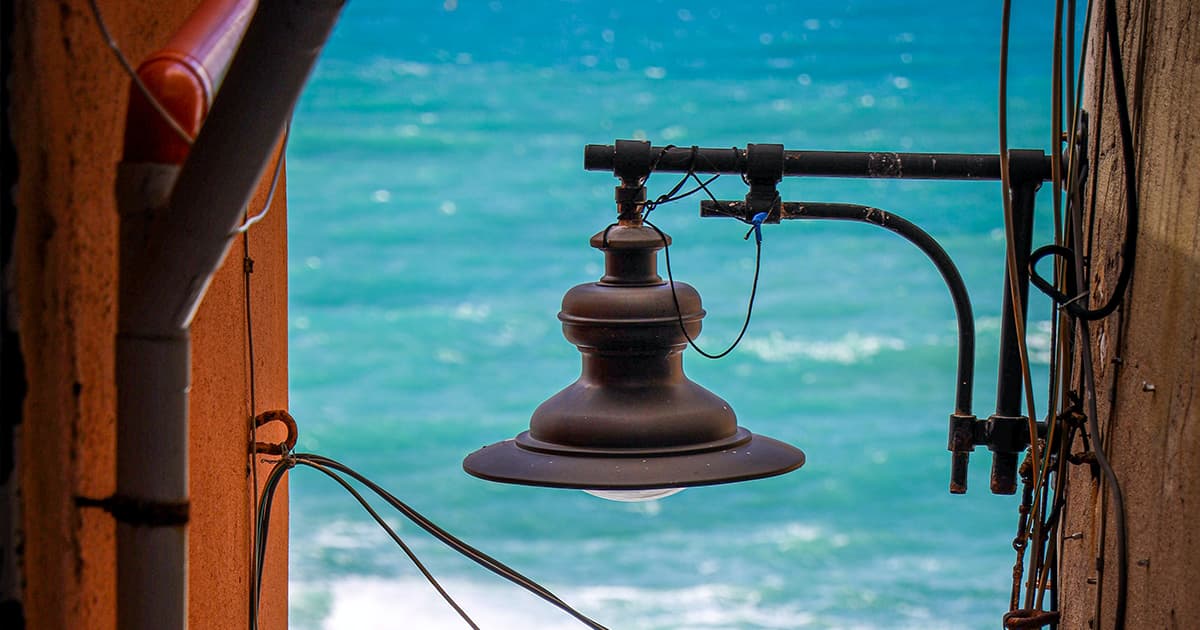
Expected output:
{"points": [[439, 210]]}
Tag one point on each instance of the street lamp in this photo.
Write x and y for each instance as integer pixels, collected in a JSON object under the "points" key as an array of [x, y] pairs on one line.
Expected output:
{"points": [[634, 427]]}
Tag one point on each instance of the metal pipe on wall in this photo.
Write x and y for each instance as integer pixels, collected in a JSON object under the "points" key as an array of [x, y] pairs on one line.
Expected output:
{"points": [[168, 254]]}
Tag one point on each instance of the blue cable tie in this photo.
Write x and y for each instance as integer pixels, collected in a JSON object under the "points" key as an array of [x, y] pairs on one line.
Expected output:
{"points": [[757, 222]]}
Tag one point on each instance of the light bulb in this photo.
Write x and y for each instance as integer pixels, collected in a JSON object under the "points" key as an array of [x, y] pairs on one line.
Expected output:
{"points": [[634, 496]]}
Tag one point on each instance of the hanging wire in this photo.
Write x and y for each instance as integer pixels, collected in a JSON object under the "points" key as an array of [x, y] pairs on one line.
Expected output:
{"points": [[395, 538], [1129, 245], [247, 269], [1010, 249], [1044, 565], [1112, 43], [672, 195], [133, 76], [679, 312], [1080, 315], [1039, 528], [266, 207], [332, 468], [756, 229], [1111, 51]]}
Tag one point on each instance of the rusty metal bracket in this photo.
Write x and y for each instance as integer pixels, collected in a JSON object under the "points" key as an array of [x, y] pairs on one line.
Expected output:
{"points": [[1029, 619], [288, 444]]}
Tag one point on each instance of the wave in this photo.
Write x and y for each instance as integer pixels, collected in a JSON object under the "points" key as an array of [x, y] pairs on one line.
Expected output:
{"points": [[849, 349], [376, 603]]}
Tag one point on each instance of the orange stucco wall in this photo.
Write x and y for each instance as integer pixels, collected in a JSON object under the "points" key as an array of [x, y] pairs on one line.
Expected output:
{"points": [[67, 115]]}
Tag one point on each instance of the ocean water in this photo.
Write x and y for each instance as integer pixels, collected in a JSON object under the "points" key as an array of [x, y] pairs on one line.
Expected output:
{"points": [[439, 210]]}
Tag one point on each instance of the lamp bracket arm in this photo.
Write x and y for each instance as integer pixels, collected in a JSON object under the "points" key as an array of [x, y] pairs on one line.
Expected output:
{"points": [[965, 429]]}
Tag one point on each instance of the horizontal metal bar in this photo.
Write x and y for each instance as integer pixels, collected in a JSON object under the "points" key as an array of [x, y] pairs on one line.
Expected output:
{"points": [[1025, 164]]}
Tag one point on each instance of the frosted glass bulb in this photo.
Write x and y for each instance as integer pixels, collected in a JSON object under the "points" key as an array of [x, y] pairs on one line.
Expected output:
{"points": [[635, 496]]}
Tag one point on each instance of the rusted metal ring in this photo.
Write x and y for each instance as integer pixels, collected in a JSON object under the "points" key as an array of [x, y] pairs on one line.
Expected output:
{"points": [[288, 444], [1029, 619]]}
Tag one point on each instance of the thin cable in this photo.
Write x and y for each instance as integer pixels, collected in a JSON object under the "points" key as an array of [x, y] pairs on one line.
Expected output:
{"points": [[650, 206], [261, 527], [1110, 50], [679, 312], [266, 207], [1114, 487], [1076, 118], [263, 524], [1010, 250], [247, 269], [1062, 363], [133, 76], [670, 196], [395, 537], [1041, 481], [433, 529], [1129, 245], [477, 556]]}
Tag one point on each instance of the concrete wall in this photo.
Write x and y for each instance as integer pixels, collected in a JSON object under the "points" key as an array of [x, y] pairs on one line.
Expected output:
{"points": [[1147, 355], [68, 107]]}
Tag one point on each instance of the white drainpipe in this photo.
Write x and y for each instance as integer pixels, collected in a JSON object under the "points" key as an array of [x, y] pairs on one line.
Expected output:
{"points": [[173, 238]]}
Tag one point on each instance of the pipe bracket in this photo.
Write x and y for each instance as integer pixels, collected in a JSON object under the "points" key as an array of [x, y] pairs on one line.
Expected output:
{"points": [[140, 512]]}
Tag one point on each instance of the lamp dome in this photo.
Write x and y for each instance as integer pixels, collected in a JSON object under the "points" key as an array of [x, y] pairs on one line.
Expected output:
{"points": [[632, 420]]}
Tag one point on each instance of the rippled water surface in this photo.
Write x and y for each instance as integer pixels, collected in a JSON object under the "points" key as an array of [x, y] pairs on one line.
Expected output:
{"points": [[439, 210]]}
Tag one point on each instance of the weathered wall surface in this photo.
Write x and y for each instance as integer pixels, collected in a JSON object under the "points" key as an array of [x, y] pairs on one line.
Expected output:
{"points": [[68, 104], [1147, 355]]}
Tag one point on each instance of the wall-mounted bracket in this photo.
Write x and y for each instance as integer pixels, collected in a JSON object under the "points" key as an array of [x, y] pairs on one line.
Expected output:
{"points": [[762, 166]]}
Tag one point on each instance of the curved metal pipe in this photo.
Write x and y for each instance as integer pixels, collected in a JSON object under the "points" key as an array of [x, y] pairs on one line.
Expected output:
{"points": [[962, 422], [930, 247]]}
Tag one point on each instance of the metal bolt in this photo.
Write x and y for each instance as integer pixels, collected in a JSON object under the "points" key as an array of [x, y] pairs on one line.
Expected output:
{"points": [[1147, 386], [1075, 536], [1091, 580], [1144, 562]]}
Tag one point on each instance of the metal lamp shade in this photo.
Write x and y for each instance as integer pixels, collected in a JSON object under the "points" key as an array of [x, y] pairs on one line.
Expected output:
{"points": [[633, 420]]}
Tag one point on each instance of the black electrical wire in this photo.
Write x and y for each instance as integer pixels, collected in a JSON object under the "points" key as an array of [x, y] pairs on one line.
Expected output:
{"points": [[261, 529], [450, 540], [1114, 487], [673, 196], [1010, 250], [1082, 317], [247, 269], [395, 537], [679, 312], [1129, 245], [328, 466], [1042, 527]]}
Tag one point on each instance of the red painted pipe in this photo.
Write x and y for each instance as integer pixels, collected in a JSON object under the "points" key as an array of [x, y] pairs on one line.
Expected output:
{"points": [[183, 76]]}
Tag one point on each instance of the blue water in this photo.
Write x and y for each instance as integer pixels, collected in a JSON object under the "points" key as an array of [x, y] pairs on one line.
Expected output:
{"points": [[439, 210]]}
